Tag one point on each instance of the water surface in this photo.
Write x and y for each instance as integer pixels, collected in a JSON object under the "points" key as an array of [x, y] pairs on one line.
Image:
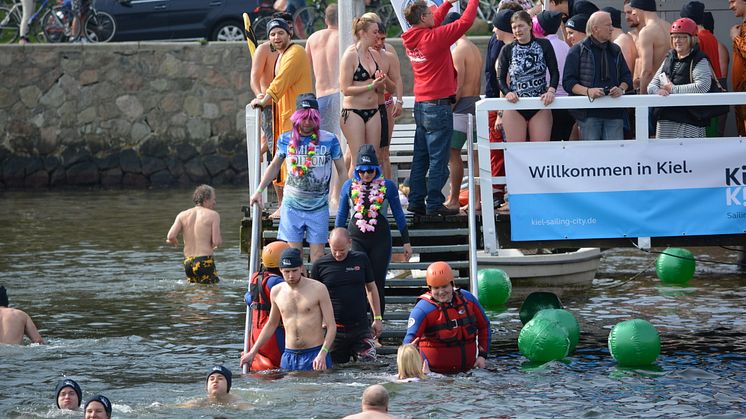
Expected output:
{"points": [[108, 294]]}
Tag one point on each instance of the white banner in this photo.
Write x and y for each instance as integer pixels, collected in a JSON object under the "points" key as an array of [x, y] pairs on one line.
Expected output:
{"points": [[626, 188]]}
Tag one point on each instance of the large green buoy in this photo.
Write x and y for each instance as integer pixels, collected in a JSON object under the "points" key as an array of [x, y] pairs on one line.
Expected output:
{"points": [[565, 319], [634, 343], [543, 340], [675, 266], [537, 301], [494, 288]]}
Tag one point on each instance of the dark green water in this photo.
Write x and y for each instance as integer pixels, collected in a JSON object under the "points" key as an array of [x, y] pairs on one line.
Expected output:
{"points": [[93, 270]]}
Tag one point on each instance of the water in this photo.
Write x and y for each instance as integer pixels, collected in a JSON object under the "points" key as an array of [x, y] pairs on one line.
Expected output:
{"points": [[107, 292]]}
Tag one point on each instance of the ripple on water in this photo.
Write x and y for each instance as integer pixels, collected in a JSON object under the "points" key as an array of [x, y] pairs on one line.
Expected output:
{"points": [[111, 299]]}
